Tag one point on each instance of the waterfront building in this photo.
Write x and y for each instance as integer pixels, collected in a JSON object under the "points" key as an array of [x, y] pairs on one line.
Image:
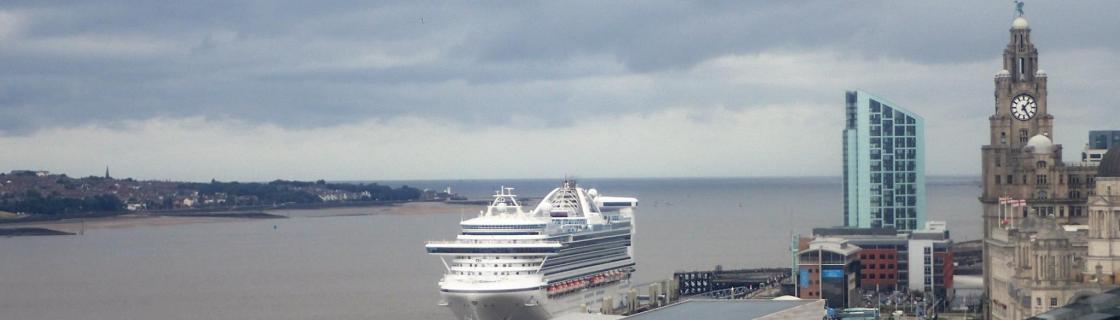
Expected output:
{"points": [[884, 164], [1102, 265], [1099, 142], [829, 269], [919, 260], [1036, 236], [931, 260]]}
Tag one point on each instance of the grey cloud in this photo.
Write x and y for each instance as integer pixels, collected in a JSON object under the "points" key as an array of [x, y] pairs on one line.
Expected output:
{"points": [[478, 63]]}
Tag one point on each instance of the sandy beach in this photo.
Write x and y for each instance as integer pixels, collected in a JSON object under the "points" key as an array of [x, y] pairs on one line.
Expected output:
{"points": [[146, 220], [402, 208]]}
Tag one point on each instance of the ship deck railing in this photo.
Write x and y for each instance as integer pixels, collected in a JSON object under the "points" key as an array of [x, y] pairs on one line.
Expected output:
{"points": [[490, 242]]}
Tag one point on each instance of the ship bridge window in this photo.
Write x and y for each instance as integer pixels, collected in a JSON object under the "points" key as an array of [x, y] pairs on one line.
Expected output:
{"points": [[500, 233], [506, 226], [492, 250], [569, 221]]}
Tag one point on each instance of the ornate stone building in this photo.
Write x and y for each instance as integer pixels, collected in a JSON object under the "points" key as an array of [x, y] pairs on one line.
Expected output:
{"points": [[1102, 265], [1035, 254]]}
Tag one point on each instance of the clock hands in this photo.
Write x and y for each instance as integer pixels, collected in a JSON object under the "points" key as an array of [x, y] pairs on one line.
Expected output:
{"points": [[1023, 107]]}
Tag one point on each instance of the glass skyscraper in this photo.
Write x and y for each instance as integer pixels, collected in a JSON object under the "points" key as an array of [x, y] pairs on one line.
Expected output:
{"points": [[1103, 139], [884, 164]]}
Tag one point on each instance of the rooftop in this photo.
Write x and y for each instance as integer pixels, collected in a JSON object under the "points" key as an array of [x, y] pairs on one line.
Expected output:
{"points": [[1099, 306], [1110, 163]]}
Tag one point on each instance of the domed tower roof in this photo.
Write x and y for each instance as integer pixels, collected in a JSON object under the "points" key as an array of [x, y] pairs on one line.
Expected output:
{"points": [[1019, 23], [1039, 144], [1110, 164]]}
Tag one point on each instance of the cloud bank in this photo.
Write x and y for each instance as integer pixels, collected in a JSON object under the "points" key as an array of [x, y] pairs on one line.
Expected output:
{"points": [[434, 89]]}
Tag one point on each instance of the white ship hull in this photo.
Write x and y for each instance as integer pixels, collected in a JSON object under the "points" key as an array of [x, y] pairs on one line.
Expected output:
{"points": [[531, 304], [567, 256]]}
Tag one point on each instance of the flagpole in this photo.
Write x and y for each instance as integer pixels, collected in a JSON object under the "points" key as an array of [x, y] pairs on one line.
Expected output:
{"points": [[1002, 202], [1011, 212]]}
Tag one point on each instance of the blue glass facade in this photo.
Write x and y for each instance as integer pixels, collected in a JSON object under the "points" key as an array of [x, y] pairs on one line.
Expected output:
{"points": [[1103, 139], [884, 164]]}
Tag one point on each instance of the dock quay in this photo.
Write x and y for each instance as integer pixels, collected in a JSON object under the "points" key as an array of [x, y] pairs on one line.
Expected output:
{"points": [[715, 284]]}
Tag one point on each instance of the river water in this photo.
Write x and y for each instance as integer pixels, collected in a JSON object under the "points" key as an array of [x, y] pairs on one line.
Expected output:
{"points": [[374, 266]]}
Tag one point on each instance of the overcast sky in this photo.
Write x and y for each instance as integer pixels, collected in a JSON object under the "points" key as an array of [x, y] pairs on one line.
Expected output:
{"points": [[361, 90]]}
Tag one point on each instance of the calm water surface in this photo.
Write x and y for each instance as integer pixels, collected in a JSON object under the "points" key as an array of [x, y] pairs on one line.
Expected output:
{"points": [[374, 267]]}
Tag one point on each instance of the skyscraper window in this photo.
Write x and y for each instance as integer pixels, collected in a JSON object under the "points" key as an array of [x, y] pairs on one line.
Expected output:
{"points": [[883, 164]]}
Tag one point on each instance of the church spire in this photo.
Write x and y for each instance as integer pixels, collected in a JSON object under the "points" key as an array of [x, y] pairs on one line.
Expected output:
{"points": [[107, 173]]}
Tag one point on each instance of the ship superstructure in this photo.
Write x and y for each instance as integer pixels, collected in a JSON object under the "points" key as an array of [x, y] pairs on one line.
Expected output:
{"points": [[566, 255]]}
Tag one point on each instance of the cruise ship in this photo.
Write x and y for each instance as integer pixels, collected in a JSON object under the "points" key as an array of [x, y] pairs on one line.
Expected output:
{"points": [[570, 254]]}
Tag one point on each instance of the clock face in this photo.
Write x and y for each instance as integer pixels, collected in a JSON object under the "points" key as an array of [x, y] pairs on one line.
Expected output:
{"points": [[1023, 107]]}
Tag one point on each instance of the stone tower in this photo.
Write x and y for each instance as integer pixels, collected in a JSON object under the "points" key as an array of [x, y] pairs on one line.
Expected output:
{"points": [[1028, 257], [1012, 126]]}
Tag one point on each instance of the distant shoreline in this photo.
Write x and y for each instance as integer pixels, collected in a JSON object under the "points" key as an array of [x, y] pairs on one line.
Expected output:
{"points": [[77, 225], [203, 211], [241, 215], [28, 232]]}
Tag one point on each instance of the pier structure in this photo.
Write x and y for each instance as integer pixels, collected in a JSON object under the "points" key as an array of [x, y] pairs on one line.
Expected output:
{"points": [[715, 284], [729, 284]]}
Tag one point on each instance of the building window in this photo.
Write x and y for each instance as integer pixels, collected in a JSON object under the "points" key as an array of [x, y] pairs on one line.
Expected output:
{"points": [[1003, 137], [1022, 135], [998, 179], [1042, 164], [1009, 180], [1053, 302], [1040, 179], [1038, 301]]}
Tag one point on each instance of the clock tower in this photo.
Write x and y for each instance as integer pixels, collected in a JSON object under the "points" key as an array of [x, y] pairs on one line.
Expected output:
{"points": [[1020, 93], [1021, 162]]}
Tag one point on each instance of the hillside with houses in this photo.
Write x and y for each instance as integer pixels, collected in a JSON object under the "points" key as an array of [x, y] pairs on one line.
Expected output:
{"points": [[38, 193]]}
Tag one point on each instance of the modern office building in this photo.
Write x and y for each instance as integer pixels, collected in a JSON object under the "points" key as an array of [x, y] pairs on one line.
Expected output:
{"points": [[829, 269], [884, 164], [1099, 142], [919, 260]]}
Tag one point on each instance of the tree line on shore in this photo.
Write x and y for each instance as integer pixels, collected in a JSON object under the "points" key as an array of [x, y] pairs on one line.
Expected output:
{"points": [[35, 203], [276, 192]]}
